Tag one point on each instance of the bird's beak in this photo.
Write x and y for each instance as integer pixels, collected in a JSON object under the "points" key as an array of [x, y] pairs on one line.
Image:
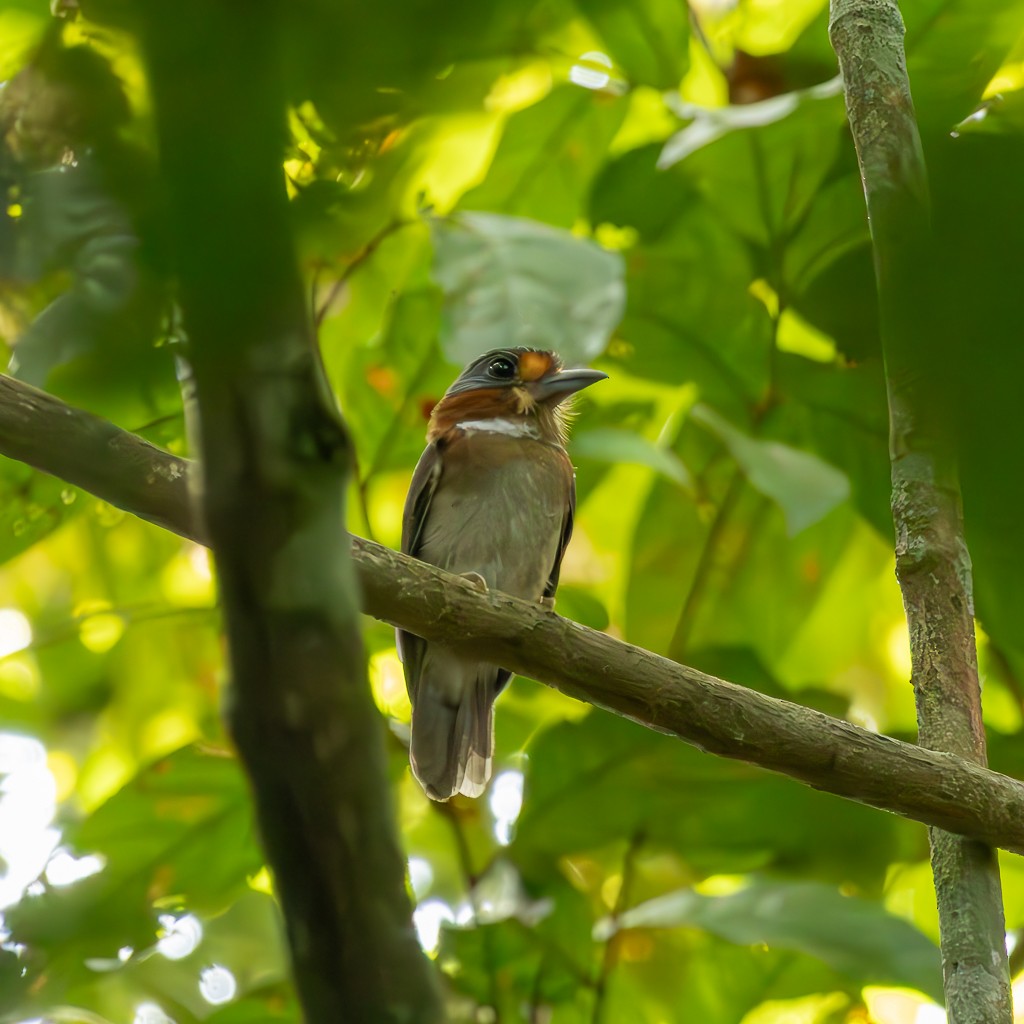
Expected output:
{"points": [[555, 387]]}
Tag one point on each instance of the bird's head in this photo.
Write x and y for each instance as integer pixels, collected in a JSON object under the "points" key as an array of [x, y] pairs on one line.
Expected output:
{"points": [[514, 384]]}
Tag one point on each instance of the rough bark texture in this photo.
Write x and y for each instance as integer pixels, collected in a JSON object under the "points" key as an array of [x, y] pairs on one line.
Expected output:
{"points": [[826, 753], [274, 466], [932, 561]]}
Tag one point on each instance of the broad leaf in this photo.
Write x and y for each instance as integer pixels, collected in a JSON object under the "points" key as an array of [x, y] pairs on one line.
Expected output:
{"points": [[511, 282], [548, 155], [856, 937], [711, 123], [179, 835], [648, 39], [612, 445], [802, 485]]}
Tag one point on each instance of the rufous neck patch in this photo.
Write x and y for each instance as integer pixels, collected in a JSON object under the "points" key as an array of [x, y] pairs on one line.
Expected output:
{"points": [[533, 365]]}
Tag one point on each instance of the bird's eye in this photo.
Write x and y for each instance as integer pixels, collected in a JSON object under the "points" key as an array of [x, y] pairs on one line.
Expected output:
{"points": [[502, 368]]}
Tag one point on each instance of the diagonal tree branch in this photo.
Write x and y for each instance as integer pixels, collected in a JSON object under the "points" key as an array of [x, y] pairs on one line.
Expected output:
{"points": [[936, 788]]}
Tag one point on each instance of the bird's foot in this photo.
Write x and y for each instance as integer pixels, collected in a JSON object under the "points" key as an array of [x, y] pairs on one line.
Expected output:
{"points": [[476, 580], [548, 603]]}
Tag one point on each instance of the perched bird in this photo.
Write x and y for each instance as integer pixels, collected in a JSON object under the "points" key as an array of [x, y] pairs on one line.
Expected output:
{"points": [[492, 498]]}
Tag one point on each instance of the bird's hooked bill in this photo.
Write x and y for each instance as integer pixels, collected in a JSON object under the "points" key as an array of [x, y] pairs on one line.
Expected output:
{"points": [[563, 383]]}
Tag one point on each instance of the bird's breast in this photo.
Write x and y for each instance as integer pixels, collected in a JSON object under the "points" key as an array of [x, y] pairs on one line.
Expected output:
{"points": [[499, 510]]}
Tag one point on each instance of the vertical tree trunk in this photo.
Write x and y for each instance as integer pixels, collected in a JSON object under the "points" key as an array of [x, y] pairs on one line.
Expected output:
{"points": [[932, 561], [275, 460]]}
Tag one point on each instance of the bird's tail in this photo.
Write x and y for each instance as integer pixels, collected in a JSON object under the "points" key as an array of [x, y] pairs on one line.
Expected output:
{"points": [[451, 743]]}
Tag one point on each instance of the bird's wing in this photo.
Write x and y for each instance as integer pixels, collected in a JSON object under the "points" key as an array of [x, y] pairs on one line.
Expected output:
{"points": [[421, 492], [570, 511], [417, 506]]}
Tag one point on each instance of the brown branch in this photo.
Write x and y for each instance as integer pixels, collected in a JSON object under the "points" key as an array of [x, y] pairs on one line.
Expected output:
{"points": [[932, 561], [275, 460], [827, 753], [91, 453]]}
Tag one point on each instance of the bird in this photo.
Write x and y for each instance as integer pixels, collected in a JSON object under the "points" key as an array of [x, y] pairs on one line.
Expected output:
{"points": [[492, 498]]}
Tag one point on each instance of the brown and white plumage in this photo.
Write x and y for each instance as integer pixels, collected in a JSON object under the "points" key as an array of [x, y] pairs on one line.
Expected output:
{"points": [[494, 495]]}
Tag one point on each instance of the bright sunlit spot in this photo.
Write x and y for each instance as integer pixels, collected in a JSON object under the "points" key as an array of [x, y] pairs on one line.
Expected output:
{"points": [[180, 935], [19, 677], [27, 805], [199, 560], [1017, 997], [421, 876], [428, 918], [901, 1006], [15, 631], [897, 647], [388, 684], [217, 985], [99, 628], [150, 1013], [591, 77], [64, 868], [506, 802], [186, 578], [801, 1010]]}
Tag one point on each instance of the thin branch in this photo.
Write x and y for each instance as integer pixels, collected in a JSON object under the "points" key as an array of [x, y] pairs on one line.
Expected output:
{"points": [[357, 261], [722, 718], [1007, 674], [932, 562], [608, 956], [705, 565], [470, 878]]}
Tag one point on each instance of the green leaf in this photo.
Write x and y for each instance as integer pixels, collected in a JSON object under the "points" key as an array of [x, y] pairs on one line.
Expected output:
{"points": [[32, 505], [836, 223], [708, 124], [805, 487], [856, 937], [678, 327], [648, 39], [511, 282], [382, 385], [1000, 114], [581, 606], [275, 1004], [716, 982], [22, 23], [593, 782], [610, 445], [954, 47], [248, 941], [548, 156], [761, 179], [841, 415], [631, 191], [179, 835]]}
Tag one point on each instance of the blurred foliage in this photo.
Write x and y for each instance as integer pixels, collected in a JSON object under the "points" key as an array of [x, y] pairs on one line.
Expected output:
{"points": [[674, 197]]}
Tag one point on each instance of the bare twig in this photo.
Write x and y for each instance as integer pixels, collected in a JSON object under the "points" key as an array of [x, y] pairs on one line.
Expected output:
{"points": [[356, 262], [610, 952]]}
